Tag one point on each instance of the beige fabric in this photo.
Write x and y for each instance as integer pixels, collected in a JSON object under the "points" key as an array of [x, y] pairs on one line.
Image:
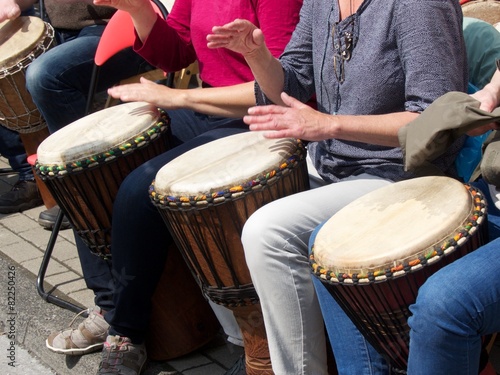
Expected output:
{"points": [[445, 120]]}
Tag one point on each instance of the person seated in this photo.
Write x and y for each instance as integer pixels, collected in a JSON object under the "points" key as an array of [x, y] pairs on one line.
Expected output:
{"points": [[120, 322], [369, 64], [453, 312]]}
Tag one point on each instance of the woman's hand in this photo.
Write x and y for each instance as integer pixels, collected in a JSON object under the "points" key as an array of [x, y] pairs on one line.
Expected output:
{"points": [[488, 97], [240, 36], [9, 10], [295, 120], [146, 91]]}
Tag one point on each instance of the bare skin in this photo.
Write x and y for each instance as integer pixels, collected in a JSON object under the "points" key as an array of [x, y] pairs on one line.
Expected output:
{"points": [[489, 96]]}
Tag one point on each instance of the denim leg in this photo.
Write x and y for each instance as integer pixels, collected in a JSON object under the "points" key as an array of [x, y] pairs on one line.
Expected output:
{"points": [[141, 239], [275, 239], [98, 275], [11, 147], [456, 307], [353, 353], [59, 80], [493, 211]]}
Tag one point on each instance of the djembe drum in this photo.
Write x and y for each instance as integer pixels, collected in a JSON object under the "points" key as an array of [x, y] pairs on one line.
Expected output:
{"points": [[83, 165], [205, 196], [22, 40], [375, 253], [486, 10]]}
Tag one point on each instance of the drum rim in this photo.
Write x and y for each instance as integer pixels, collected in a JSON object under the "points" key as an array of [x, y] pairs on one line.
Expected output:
{"points": [[41, 47], [95, 160], [432, 255], [210, 198]]}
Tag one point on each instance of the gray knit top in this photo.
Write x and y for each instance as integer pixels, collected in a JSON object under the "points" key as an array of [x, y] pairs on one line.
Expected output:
{"points": [[404, 55]]}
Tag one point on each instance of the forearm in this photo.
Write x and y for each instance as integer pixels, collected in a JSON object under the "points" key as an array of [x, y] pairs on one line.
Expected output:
{"points": [[494, 88], [268, 73], [141, 11], [372, 129], [232, 101]]}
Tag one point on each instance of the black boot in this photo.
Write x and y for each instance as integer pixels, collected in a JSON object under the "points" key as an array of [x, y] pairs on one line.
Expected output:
{"points": [[24, 195]]}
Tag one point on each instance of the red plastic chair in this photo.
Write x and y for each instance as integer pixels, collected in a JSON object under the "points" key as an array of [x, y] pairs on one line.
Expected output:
{"points": [[118, 35]]}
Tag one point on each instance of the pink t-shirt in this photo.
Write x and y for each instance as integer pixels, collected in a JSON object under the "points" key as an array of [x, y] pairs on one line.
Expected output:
{"points": [[179, 41]]}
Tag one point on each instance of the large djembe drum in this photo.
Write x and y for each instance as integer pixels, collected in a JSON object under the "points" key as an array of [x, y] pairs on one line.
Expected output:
{"points": [[83, 166], [205, 197], [22, 40], [375, 253]]}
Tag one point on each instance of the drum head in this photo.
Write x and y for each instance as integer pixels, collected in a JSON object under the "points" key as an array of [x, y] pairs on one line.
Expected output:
{"points": [[232, 163], [486, 10], [18, 38], [393, 225], [99, 134]]}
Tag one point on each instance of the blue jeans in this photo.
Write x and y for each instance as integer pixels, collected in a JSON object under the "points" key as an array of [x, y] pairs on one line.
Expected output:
{"points": [[455, 308], [140, 238], [59, 80], [353, 353], [13, 150]]}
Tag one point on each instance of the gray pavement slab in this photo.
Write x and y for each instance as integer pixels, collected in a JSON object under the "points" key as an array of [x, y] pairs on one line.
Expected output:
{"points": [[22, 245]]}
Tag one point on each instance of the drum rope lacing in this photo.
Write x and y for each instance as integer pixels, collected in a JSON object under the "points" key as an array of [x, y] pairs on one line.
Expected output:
{"points": [[95, 160], [217, 197], [431, 255]]}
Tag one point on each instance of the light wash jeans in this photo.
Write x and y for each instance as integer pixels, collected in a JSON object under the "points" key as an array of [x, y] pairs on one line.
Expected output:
{"points": [[455, 307], [275, 239]]}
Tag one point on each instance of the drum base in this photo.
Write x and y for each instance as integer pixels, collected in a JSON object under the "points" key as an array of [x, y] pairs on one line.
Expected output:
{"points": [[181, 319]]}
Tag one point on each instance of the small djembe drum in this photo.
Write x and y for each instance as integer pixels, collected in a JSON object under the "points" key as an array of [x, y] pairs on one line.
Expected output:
{"points": [[205, 197], [375, 253], [83, 165]]}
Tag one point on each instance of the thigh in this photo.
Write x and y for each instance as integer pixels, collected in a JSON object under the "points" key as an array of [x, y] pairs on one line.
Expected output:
{"points": [[293, 218], [187, 124]]}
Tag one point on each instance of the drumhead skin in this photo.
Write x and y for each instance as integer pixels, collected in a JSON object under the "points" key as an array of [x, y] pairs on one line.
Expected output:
{"points": [[18, 38], [393, 226], [99, 136], [228, 165], [486, 10]]}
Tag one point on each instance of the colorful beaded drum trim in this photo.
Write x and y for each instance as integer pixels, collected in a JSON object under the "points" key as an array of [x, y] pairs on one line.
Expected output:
{"points": [[425, 257], [92, 161], [234, 192]]}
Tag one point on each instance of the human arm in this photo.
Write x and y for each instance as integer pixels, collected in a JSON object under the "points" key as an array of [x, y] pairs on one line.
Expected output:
{"points": [[230, 101], [489, 97], [11, 9], [141, 11], [243, 37], [299, 120]]}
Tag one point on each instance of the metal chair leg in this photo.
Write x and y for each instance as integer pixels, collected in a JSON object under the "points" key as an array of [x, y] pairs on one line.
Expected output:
{"points": [[47, 296], [7, 171]]}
